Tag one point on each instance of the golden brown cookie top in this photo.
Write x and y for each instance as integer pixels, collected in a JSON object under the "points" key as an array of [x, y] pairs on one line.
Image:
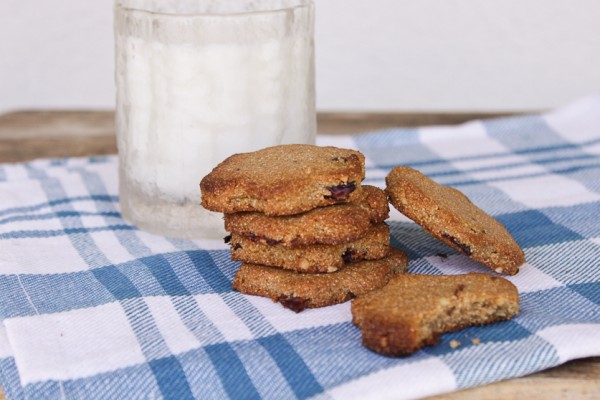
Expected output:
{"points": [[449, 215], [283, 180]]}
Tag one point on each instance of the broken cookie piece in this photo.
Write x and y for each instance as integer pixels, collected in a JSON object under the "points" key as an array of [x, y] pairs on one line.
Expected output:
{"points": [[300, 291], [412, 311]]}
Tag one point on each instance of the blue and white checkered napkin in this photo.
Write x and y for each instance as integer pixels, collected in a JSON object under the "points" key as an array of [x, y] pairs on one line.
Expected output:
{"points": [[93, 308]]}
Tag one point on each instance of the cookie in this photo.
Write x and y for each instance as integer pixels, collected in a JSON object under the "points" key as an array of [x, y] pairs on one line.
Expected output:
{"points": [[412, 311], [300, 291], [449, 215], [284, 180], [313, 258], [326, 225]]}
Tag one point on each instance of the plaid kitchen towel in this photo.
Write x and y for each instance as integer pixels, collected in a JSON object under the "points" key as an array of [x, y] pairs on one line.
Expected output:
{"points": [[93, 308]]}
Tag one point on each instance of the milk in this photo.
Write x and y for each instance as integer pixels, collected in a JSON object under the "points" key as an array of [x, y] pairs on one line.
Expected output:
{"points": [[185, 105]]}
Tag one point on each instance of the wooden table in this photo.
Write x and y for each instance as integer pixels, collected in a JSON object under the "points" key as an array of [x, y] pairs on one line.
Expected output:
{"points": [[33, 134]]}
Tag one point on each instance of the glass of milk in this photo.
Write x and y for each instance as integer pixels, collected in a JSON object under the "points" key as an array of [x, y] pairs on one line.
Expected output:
{"points": [[196, 82]]}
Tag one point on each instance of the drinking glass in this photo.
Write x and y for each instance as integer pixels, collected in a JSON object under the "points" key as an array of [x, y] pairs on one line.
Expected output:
{"points": [[196, 82]]}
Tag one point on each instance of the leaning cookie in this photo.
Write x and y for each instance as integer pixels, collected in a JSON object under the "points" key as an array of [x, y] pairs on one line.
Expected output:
{"points": [[313, 258], [412, 311], [325, 225], [284, 180], [300, 291], [451, 217]]}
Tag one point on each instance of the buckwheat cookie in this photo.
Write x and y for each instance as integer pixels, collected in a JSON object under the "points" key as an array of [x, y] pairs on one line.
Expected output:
{"points": [[449, 215], [300, 291], [412, 311], [313, 258], [326, 225], [284, 180]]}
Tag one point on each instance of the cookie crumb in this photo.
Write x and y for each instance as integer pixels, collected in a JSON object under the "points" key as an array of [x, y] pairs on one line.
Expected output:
{"points": [[454, 343], [475, 341]]}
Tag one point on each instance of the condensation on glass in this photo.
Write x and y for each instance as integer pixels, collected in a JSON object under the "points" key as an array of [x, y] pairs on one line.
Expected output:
{"points": [[196, 82]]}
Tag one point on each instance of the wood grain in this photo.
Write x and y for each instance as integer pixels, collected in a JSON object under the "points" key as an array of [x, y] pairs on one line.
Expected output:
{"points": [[28, 135], [577, 379]]}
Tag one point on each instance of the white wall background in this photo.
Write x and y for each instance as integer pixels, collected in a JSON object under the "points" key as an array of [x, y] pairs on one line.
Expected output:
{"points": [[386, 55]]}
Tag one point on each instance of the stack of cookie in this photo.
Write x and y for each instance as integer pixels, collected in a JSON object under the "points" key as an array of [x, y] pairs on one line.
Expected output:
{"points": [[308, 233]]}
